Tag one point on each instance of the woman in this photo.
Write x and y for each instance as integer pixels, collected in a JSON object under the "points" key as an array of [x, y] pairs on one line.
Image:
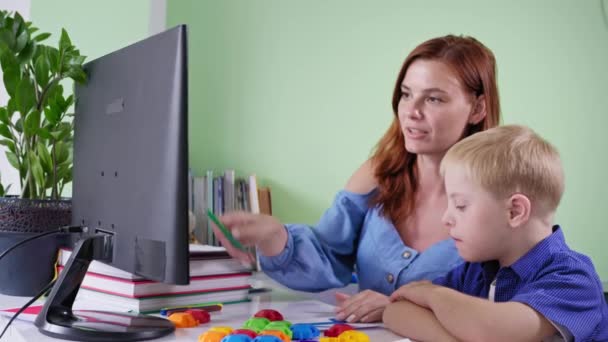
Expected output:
{"points": [[387, 220]]}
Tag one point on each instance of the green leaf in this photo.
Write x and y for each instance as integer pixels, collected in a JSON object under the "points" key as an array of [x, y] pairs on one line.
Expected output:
{"points": [[41, 37], [65, 130], [11, 107], [32, 122], [12, 159], [9, 144], [7, 39], [68, 176], [5, 132], [77, 74], [9, 61], [19, 125], [53, 55], [37, 170], [51, 115], [45, 157], [27, 53], [77, 60], [4, 118], [64, 41], [44, 133], [42, 68], [26, 95], [18, 24], [21, 41], [62, 152], [64, 171], [31, 29], [12, 77]]}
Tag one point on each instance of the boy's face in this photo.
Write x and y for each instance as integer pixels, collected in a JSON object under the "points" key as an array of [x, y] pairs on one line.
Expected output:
{"points": [[478, 221]]}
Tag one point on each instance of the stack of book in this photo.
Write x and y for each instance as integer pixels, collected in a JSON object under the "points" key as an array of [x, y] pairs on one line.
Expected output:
{"points": [[214, 277]]}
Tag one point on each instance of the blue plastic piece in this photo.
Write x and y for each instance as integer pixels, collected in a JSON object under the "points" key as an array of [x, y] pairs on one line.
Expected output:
{"points": [[237, 338], [266, 338], [304, 331]]}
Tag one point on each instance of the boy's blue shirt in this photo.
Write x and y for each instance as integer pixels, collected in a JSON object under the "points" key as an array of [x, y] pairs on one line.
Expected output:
{"points": [[350, 232], [556, 281]]}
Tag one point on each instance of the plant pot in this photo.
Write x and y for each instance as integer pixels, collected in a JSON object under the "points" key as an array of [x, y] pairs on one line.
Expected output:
{"points": [[29, 267]]}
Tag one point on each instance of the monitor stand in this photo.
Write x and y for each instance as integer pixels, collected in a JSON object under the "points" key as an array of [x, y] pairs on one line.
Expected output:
{"points": [[57, 319]]}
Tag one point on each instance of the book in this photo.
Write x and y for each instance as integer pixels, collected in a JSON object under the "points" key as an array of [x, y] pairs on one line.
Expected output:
{"points": [[204, 261], [138, 288], [95, 300]]}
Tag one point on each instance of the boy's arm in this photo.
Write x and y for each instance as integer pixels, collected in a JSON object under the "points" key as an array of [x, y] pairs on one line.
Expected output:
{"points": [[413, 321], [476, 319]]}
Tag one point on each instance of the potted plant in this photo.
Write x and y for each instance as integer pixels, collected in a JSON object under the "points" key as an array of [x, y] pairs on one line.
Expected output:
{"points": [[36, 129]]}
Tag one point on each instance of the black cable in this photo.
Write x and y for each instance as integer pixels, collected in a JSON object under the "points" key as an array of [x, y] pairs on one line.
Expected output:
{"points": [[38, 295], [66, 229]]}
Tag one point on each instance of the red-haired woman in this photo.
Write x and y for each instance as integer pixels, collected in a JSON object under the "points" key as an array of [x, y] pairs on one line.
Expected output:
{"points": [[387, 220]]}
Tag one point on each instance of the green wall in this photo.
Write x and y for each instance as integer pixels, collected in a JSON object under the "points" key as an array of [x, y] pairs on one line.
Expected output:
{"points": [[95, 27], [299, 92]]}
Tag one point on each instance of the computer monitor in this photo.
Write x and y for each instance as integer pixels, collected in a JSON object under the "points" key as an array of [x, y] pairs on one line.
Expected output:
{"points": [[130, 183]]}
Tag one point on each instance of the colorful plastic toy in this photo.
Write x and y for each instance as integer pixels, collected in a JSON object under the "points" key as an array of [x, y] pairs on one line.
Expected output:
{"points": [[336, 329], [280, 327], [183, 320], [212, 336], [247, 332], [237, 338], [328, 339], [304, 331], [200, 315], [271, 315], [256, 324], [267, 338], [276, 333], [353, 336], [224, 329]]}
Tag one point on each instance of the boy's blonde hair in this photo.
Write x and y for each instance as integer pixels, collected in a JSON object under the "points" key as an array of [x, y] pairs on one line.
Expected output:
{"points": [[511, 159]]}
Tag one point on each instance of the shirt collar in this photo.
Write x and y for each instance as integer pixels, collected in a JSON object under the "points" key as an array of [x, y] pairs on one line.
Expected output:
{"points": [[530, 263]]}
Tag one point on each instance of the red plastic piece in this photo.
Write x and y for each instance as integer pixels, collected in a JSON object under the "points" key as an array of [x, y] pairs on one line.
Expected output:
{"points": [[336, 329], [271, 315], [202, 316], [247, 332]]}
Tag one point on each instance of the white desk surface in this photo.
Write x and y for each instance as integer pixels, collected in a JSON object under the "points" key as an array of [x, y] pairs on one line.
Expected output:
{"points": [[297, 307]]}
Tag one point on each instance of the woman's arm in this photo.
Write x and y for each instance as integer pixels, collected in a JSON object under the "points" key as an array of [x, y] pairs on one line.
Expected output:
{"points": [[363, 180]]}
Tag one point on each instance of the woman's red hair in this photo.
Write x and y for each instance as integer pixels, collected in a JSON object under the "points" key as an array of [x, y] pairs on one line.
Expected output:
{"points": [[394, 167]]}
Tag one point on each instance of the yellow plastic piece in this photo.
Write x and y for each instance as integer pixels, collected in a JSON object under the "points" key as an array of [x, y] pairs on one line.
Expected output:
{"points": [[224, 329], [183, 320], [276, 333], [212, 336], [353, 336], [328, 339]]}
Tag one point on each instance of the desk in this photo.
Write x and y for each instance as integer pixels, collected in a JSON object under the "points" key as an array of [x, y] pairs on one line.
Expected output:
{"points": [[295, 306]]}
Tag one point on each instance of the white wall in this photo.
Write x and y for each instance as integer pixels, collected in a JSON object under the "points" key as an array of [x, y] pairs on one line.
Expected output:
{"points": [[7, 172]]}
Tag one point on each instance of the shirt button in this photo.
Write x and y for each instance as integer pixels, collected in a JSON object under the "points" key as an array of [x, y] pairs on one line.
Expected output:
{"points": [[406, 255], [390, 278]]}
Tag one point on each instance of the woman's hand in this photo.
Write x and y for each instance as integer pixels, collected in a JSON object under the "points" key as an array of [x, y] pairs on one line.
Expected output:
{"points": [[263, 231], [366, 306]]}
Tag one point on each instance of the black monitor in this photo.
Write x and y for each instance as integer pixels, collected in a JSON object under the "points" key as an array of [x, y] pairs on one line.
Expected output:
{"points": [[130, 183]]}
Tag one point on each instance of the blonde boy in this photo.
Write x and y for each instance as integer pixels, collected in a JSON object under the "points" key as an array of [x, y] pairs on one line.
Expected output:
{"points": [[520, 281]]}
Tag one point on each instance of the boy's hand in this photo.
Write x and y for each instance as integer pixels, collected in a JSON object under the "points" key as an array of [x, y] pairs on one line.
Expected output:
{"points": [[417, 292], [366, 306]]}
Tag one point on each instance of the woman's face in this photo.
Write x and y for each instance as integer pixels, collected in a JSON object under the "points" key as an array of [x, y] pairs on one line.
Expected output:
{"points": [[434, 108]]}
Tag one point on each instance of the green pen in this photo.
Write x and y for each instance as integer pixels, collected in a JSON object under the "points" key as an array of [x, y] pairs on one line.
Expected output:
{"points": [[225, 231]]}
